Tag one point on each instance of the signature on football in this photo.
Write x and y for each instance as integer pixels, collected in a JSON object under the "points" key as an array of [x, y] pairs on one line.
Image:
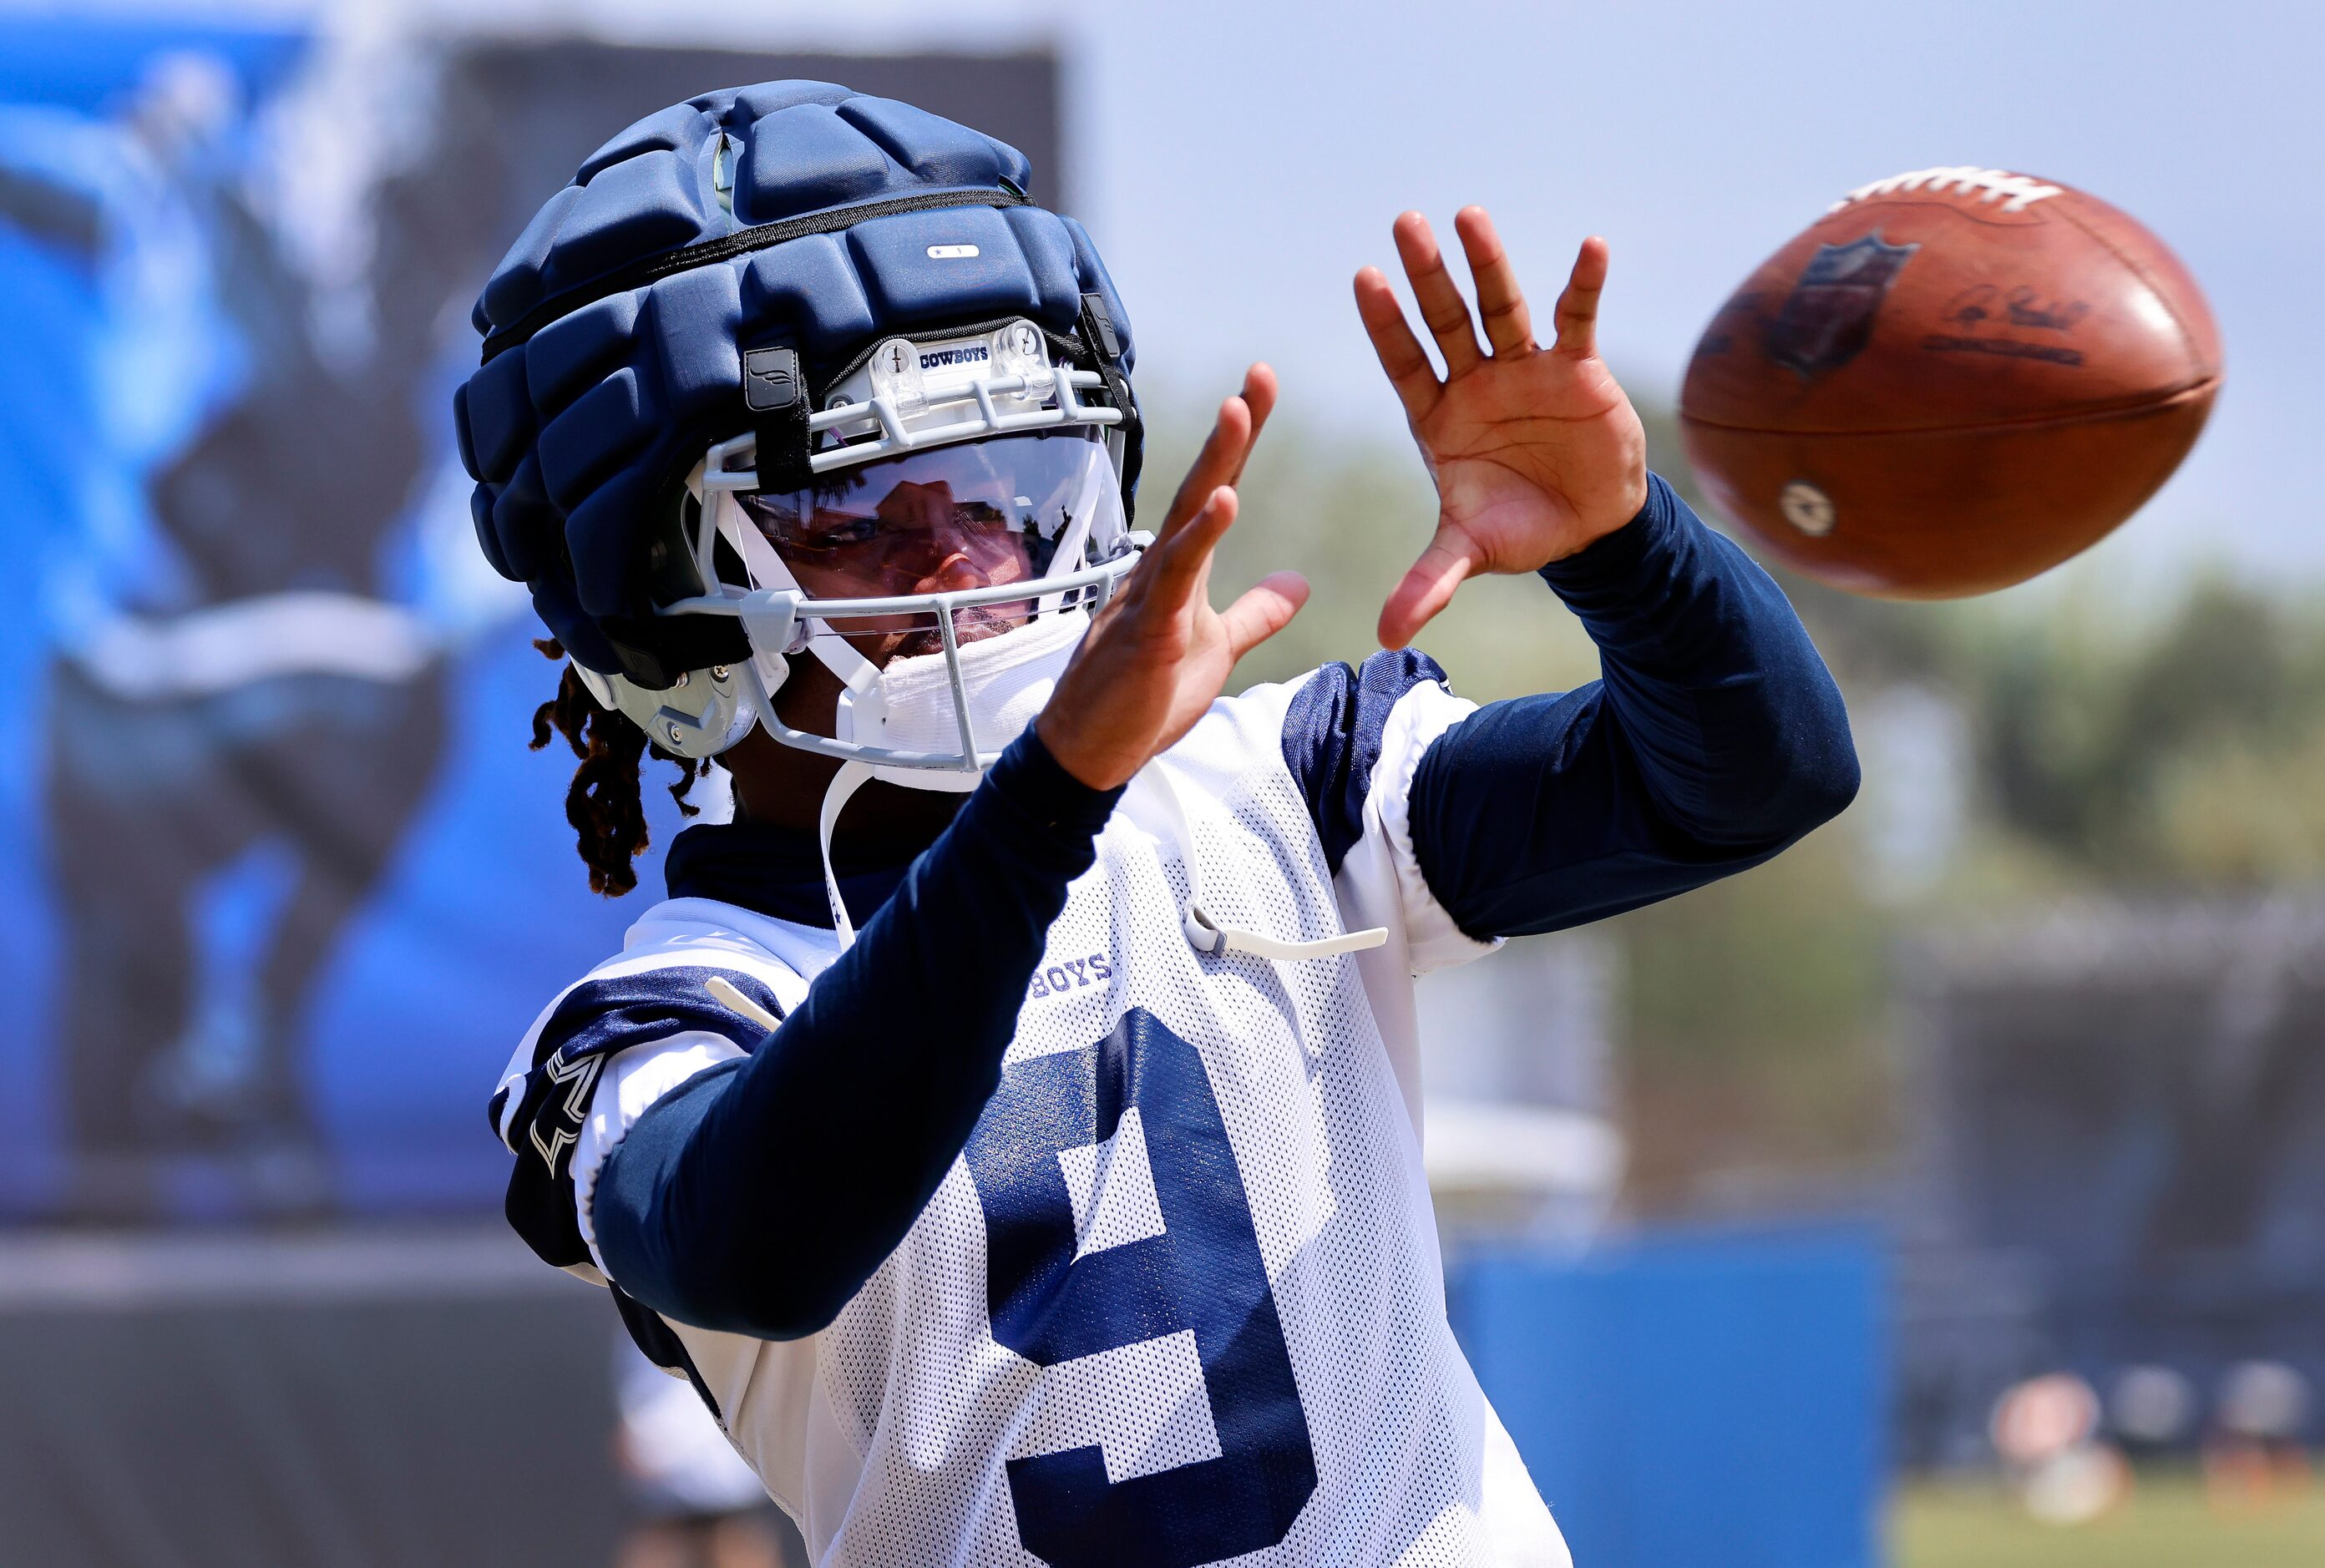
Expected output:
{"points": [[2023, 306]]}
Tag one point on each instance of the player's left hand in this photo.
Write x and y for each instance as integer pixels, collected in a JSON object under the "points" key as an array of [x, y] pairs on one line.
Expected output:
{"points": [[1536, 452]]}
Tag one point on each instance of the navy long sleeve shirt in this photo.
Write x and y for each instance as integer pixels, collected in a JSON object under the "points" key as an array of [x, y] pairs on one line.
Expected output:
{"points": [[1713, 738], [740, 1201]]}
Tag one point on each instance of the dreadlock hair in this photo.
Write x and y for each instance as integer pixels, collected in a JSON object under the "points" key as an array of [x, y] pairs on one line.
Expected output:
{"points": [[602, 802]]}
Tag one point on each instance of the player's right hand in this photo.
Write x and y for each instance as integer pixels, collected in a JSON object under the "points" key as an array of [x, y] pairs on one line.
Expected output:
{"points": [[1157, 654]]}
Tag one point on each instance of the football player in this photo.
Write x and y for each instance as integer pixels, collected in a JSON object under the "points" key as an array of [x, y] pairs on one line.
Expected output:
{"points": [[1008, 1122]]}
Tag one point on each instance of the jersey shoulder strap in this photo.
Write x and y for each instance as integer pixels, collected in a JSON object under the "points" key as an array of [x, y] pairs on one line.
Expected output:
{"points": [[677, 983]]}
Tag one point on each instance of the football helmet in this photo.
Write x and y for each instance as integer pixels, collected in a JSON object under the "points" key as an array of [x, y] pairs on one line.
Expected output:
{"points": [[789, 370]]}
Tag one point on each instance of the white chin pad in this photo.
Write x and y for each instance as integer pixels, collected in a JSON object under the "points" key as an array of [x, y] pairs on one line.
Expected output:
{"points": [[1008, 678]]}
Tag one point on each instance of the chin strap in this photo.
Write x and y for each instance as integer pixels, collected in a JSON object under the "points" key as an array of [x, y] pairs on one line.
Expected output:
{"points": [[852, 776], [1206, 935]]}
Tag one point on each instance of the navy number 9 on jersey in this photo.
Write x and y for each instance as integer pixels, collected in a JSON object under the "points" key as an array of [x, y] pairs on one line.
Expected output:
{"points": [[1201, 1271]]}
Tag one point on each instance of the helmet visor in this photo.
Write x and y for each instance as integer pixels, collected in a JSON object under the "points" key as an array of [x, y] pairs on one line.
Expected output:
{"points": [[1005, 511]]}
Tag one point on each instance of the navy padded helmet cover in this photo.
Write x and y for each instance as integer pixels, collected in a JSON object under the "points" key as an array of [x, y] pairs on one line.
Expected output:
{"points": [[577, 432]]}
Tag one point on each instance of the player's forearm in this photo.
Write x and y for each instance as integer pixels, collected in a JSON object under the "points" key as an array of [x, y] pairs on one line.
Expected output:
{"points": [[1741, 735], [1714, 738], [759, 1199]]}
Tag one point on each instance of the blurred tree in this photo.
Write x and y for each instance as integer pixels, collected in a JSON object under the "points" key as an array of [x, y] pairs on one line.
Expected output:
{"points": [[1353, 517], [2168, 754], [1753, 1008]]}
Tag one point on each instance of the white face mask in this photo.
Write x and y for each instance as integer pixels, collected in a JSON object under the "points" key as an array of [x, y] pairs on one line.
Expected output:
{"points": [[932, 721], [909, 705], [902, 720]]}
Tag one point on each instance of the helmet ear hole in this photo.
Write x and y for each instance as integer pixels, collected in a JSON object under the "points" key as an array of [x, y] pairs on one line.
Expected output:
{"points": [[700, 714]]}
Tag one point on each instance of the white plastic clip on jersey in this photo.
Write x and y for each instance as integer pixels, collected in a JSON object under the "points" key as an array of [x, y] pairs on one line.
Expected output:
{"points": [[1206, 935], [1210, 938], [730, 996]]}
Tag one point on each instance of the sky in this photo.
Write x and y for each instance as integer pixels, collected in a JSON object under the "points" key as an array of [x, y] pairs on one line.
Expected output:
{"points": [[1242, 184], [1237, 162]]}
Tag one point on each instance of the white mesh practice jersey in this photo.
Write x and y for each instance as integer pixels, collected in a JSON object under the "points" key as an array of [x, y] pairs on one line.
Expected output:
{"points": [[1179, 1299]]}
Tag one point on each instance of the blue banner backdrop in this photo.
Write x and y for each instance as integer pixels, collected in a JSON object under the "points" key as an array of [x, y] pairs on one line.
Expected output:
{"points": [[280, 884]]}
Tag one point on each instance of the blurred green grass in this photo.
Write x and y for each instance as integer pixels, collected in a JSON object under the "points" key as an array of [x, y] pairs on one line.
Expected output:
{"points": [[2167, 1524]]}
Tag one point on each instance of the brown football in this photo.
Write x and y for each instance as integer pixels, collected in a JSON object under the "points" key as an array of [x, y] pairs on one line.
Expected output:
{"points": [[1955, 379]]}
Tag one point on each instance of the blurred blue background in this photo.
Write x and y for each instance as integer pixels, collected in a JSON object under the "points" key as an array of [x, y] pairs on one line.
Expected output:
{"points": [[141, 324]]}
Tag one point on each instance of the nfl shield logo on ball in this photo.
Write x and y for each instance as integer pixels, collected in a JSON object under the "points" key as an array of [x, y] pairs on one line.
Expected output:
{"points": [[1827, 317]]}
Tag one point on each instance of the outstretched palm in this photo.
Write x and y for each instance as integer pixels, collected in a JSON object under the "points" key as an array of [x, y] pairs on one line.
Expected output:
{"points": [[1536, 451], [1157, 655]]}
